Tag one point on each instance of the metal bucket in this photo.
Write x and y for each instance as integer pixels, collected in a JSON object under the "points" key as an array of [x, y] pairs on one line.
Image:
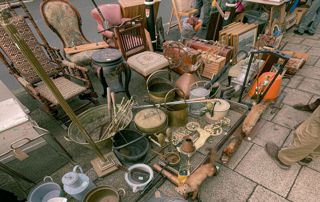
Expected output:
{"points": [[158, 87], [92, 120], [45, 191], [177, 114], [199, 89]]}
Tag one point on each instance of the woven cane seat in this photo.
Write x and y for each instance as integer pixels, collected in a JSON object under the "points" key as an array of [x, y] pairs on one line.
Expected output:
{"points": [[67, 88], [21, 64], [147, 62]]}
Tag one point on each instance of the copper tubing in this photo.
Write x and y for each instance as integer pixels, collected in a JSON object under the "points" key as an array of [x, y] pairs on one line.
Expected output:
{"points": [[171, 177]]}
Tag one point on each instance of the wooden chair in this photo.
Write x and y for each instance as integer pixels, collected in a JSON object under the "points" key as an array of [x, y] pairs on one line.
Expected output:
{"points": [[112, 14], [180, 8], [131, 40], [70, 79], [77, 48]]}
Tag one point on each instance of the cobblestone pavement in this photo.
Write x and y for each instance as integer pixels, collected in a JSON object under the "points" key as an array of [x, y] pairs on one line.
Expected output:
{"points": [[250, 175]]}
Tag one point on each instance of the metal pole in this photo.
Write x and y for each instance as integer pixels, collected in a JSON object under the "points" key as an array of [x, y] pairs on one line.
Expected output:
{"points": [[149, 9], [105, 23], [27, 52]]}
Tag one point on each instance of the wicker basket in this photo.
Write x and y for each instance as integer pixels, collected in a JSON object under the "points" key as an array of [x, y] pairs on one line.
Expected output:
{"points": [[212, 65]]}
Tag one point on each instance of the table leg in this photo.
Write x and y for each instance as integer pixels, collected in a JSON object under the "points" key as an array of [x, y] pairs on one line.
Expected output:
{"points": [[282, 17], [103, 82]]}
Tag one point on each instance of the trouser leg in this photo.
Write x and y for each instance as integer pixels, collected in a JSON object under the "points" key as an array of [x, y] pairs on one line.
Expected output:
{"points": [[206, 12], [316, 21], [305, 142], [309, 16], [199, 4]]}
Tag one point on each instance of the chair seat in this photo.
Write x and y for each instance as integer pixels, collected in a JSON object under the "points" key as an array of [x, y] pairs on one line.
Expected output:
{"points": [[147, 62], [82, 59], [67, 88]]}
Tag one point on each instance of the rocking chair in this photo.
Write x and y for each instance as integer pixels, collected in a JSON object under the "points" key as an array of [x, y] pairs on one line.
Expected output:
{"points": [[70, 79]]}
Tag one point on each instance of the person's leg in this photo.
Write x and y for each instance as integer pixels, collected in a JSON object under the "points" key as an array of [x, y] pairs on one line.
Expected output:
{"points": [[199, 4], [313, 28], [308, 17], [305, 142], [206, 12]]}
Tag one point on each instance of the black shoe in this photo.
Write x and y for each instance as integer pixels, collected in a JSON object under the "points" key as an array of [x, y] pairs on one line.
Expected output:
{"points": [[309, 107], [297, 32], [309, 33], [305, 161], [272, 150]]}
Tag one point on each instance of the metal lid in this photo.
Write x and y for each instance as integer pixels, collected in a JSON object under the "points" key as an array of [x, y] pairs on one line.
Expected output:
{"points": [[108, 55], [150, 118], [70, 178]]}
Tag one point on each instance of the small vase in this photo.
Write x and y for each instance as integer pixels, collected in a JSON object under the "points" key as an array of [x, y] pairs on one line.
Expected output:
{"points": [[187, 146]]}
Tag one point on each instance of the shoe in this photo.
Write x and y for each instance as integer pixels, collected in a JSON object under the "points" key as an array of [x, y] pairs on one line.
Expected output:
{"points": [[305, 161], [273, 150], [297, 32], [309, 33], [309, 107]]}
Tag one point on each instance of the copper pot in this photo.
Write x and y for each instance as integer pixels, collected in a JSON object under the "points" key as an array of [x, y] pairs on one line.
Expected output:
{"points": [[185, 82]]}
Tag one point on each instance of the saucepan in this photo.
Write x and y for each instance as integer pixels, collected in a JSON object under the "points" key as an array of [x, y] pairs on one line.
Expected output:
{"points": [[104, 193]]}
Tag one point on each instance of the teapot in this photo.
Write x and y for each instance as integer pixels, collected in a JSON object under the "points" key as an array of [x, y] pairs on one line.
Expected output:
{"points": [[77, 184]]}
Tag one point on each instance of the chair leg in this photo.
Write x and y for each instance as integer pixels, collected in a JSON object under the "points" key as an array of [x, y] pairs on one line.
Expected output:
{"points": [[127, 72], [170, 21]]}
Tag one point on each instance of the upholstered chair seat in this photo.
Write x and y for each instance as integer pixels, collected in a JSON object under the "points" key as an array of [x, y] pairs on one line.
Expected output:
{"points": [[147, 62]]}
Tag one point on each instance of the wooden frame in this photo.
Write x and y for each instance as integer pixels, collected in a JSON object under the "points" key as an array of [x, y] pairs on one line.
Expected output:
{"points": [[178, 14], [42, 5], [125, 38]]}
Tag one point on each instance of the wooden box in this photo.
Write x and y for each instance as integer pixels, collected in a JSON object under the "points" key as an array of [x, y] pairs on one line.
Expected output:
{"points": [[133, 8], [225, 51], [212, 65]]}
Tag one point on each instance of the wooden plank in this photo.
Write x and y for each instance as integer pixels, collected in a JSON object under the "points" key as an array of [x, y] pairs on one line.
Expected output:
{"points": [[86, 47]]}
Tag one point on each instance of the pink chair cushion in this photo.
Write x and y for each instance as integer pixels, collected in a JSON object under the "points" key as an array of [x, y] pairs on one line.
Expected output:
{"points": [[112, 13]]}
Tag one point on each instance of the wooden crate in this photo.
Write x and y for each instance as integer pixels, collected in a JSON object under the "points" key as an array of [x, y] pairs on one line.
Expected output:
{"points": [[133, 8], [212, 65]]}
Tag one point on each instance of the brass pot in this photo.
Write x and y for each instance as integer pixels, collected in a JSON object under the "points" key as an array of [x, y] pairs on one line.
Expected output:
{"points": [[177, 114], [103, 193], [151, 120], [185, 82], [158, 87]]}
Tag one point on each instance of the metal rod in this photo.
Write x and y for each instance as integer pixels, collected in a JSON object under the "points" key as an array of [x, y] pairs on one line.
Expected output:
{"points": [[105, 23], [27, 52]]}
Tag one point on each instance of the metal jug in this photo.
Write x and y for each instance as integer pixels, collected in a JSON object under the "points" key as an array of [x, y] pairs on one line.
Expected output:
{"points": [[77, 184]]}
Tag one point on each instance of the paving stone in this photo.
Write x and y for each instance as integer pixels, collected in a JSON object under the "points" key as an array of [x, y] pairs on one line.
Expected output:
{"points": [[289, 117], [310, 72], [314, 98], [314, 51], [293, 39], [311, 42], [317, 63], [227, 186], [294, 96], [295, 81], [271, 132], [269, 113], [315, 164], [300, 48], [312, 60], [306, 187], [262, 194], [260, 168], [241, 152], [310, 85]]}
